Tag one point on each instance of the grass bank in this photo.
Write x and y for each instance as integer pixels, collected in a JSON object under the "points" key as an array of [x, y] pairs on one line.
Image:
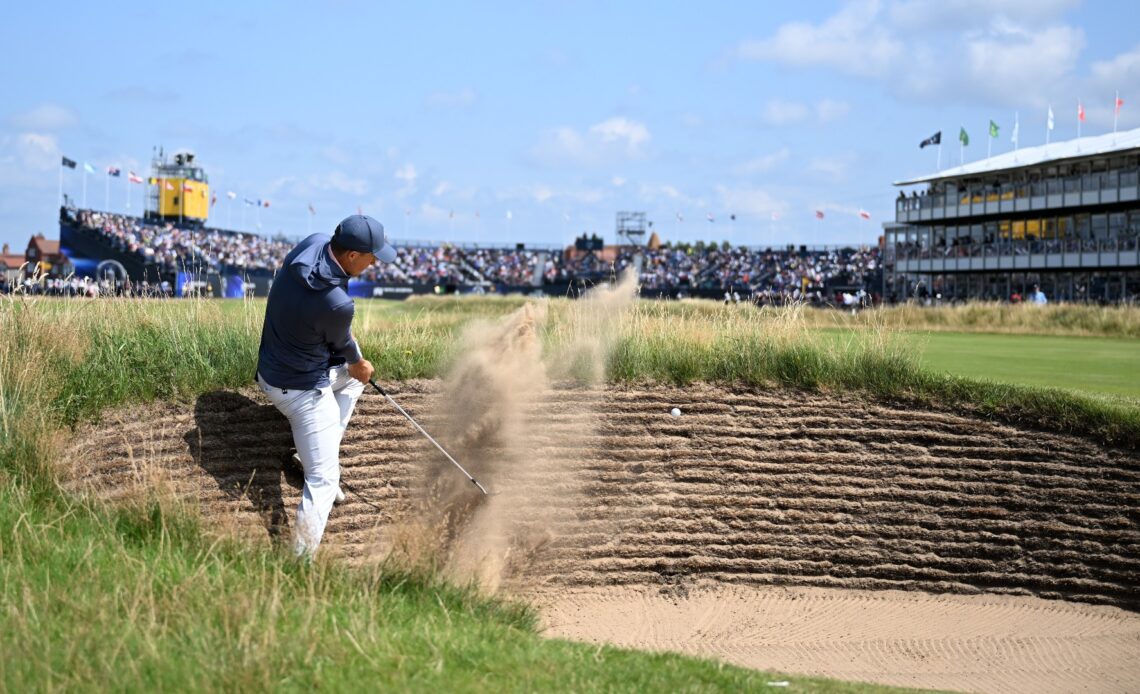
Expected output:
{"points": [[141, 596]]}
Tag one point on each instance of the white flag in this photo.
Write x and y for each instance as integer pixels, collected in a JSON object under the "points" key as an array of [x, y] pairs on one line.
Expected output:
{"points": [[509, 215], [1050, 126]]}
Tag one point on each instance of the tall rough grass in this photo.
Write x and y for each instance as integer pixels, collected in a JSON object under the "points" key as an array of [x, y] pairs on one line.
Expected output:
{"points": [[139, 596]]}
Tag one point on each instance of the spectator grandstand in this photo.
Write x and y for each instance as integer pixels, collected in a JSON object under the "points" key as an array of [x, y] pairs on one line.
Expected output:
{"points": [[163, 249]]}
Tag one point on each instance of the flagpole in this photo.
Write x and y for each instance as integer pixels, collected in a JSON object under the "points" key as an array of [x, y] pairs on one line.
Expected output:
{"points": [[1115, 114], [989, 144], [60, 198], [939, 167], [107, 194], [1078, 118], [127, 183]]}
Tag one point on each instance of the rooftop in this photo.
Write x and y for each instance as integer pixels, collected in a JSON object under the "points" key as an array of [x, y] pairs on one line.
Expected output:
{"points": [[1093, 145]]}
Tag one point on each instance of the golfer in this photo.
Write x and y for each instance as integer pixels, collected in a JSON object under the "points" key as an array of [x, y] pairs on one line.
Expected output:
{"points": [[309, 365]]}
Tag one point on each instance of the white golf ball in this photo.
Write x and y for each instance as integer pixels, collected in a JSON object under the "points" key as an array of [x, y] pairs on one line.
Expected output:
{"points": [[675, 412]]}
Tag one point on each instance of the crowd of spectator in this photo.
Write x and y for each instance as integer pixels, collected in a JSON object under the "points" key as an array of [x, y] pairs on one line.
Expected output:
{"points": [[775, 274]]}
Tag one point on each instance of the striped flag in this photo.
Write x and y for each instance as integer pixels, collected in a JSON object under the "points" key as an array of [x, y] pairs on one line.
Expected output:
{"points": [[864, 214], [134, 177]]}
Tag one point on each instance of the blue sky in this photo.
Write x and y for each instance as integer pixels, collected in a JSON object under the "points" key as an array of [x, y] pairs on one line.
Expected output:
{"points": [[544, 118]]}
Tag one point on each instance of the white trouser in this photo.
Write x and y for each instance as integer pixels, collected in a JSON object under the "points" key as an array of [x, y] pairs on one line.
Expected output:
{"points": [[318, 419]]}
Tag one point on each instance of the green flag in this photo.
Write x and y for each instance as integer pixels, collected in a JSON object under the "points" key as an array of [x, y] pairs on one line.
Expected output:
{"points": [[993, 129], [963, 137]]}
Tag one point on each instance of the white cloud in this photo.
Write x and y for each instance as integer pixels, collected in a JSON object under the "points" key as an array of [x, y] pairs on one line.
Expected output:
{"points": [[763, 163], [462, 98], [938, 52], [612, 140], [441, 189], [779, 112], [45, 117], [629, 133], [829, 110], [749, 202], [406, 174], [953, 15], [617, 181], [853, 41], [834, 168]]}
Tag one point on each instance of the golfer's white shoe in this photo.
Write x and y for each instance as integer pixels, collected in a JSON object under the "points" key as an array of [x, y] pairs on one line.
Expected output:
{"points": [[339, 495]]}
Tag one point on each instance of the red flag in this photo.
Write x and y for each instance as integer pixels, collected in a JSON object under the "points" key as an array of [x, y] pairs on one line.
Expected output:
{"points": [[1119, 103], [864, 214], [1080, 112], [819, 214], [134, 177]]}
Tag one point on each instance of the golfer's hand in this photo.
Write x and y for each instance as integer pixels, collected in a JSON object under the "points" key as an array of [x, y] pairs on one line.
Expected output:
{"points": [[361, 370]]}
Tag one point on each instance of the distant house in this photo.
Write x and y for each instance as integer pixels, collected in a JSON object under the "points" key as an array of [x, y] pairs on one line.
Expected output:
{"points": [[44, 255], [11, 263]]}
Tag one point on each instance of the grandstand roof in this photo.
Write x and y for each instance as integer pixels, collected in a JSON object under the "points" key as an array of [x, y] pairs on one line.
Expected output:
{"points": [[1080, 147]]}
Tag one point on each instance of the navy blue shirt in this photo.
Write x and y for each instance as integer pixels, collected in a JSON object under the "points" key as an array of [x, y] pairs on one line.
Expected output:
{"points": [[307, 320]]}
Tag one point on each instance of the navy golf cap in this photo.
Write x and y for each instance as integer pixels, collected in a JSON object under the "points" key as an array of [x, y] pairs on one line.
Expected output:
{"points": [[364, 234]]}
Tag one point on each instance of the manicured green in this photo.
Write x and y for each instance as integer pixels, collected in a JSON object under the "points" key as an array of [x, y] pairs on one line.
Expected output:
{"points": [[1094, 364]]}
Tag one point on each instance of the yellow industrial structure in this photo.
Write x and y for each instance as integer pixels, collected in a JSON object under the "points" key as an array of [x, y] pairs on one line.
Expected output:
{"points": [[179, 189]]}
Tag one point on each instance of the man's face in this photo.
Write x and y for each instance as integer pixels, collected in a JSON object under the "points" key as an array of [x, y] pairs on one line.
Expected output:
{"points": [[357, 262]]}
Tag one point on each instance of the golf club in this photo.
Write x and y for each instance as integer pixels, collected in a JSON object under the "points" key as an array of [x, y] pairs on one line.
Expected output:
{"points": [[429, 438]]}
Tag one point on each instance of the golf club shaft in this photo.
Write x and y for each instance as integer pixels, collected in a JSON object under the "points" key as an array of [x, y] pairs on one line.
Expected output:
{"points": [[429, 438]]}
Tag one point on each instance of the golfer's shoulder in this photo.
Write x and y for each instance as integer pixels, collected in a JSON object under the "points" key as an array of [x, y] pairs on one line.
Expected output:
{"points": [[338, 301]]}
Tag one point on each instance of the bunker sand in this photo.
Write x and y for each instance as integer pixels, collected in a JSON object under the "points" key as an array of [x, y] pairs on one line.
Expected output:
{"points": [[781, 530]]}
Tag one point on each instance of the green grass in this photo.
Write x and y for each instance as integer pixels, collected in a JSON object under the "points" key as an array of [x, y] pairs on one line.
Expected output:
{"points": [[1092, 364], [141, 596]]}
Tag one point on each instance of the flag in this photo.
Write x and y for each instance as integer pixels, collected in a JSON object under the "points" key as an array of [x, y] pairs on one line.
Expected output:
{"points": [[1080, 112], [311, 210], [152, 181], [1049, 121], [248, 202], [963, 137], [680, 217], [1119, 103], [732, 217], [1016, 127], [265, 203], [231, 195], [935, 139], [169, 185], [186, 187], [993, 129], [864, 214], [69, 163], [134, 177], [710, 217], [213, 199], [113, 171], [819, 213], [451, 214], [88, 168]]}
